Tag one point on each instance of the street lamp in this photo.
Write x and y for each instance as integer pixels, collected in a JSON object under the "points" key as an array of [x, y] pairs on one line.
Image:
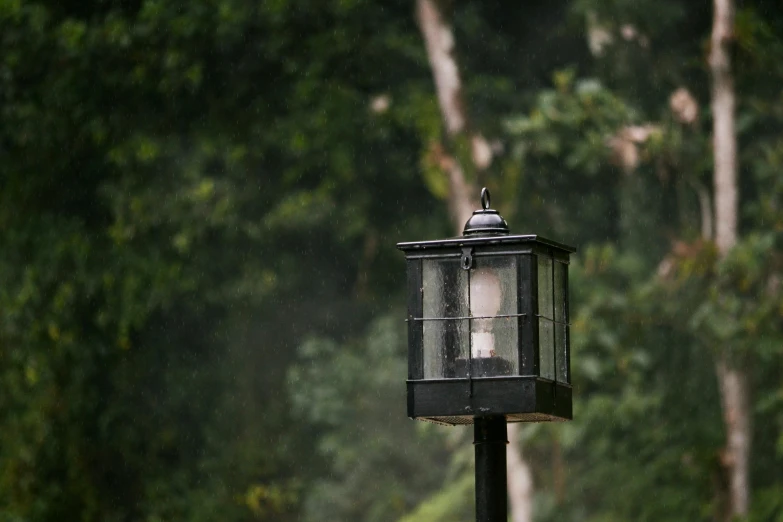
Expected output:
{"points": [[488, 338]]}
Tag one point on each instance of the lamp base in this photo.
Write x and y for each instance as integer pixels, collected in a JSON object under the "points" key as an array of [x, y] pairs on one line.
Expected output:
{"points": [[518, 398], [483, 367]]}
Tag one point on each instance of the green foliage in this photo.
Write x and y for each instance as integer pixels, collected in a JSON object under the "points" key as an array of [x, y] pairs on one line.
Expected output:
{"points": [[381, 464], [635, 434], [452, 502], [162, 203]]}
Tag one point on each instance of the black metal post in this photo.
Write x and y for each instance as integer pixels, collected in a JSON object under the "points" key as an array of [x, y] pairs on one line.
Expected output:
{"points": [[490, 439]]}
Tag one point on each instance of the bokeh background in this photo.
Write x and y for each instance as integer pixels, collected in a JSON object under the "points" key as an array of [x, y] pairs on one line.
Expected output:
{"points": [[201, 303]]}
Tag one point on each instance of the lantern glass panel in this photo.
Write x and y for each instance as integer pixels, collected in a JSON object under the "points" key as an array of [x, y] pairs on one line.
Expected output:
{"points": [[546, 315], [545, 301], [546, 345], [494, 326], [504, 359], [445, 329], [561, 352], [500, 272], [561, 320], [445, 349], [560, 292], [443, 288]]}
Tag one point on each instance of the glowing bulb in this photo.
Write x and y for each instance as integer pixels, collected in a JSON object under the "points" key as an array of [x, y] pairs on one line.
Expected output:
{"points": [[485, 299]]}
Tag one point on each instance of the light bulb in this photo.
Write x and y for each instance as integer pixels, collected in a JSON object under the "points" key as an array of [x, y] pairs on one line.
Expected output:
{"points": [[485, 299]]}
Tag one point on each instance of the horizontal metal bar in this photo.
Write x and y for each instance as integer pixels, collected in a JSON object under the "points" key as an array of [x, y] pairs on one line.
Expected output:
{"points": [[467, 380], [462, 318], [466, 317], [484, 240], [483, 253], [553, 321]]}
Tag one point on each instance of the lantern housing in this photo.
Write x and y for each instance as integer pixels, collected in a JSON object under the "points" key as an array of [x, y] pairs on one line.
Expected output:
{"points": [[488, 330]]}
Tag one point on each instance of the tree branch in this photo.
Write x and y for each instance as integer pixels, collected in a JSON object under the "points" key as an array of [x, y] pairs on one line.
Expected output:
{"points": [[705, 207]]}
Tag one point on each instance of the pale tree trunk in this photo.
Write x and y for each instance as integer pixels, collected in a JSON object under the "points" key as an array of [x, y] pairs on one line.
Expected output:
{"points": [[463, 197], [732, 376], [733, 382], [439, 42], [520, 479], [724, 133]]}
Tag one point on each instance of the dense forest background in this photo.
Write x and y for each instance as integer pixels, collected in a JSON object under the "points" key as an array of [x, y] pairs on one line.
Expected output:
{"points": [[201, 304]]}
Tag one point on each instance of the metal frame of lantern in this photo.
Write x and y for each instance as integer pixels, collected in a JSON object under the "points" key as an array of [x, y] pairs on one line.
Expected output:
{"points": [[503, 351]]}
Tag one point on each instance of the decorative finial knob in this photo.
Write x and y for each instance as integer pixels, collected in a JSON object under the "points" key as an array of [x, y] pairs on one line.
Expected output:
{"points": [[485, 198], [485, 222]]}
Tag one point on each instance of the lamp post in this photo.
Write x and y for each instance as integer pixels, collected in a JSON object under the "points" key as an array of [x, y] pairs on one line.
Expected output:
{"points": [[488, 339]]}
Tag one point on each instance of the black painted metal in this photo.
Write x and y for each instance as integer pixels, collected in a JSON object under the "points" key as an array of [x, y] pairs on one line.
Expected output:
{"points": [[518, 397], [486, 198], [467, 258], [415, 328], [462, 241], [485, 222], [451, 308], [567, 318], [527, 297], [489, 438]]}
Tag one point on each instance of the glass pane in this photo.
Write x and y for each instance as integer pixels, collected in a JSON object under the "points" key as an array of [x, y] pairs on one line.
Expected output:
{"points": [[546, 346], [561, 283], [444, 288], [561, 352], [545, 287], [445, 348], [494, 347], [493, 286]]}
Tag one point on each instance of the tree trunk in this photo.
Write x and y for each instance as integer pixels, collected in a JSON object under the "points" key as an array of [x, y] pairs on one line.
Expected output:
{"points": [[732, 377], [733, 382], [724, 134], [520, 479], [439, 42]]}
